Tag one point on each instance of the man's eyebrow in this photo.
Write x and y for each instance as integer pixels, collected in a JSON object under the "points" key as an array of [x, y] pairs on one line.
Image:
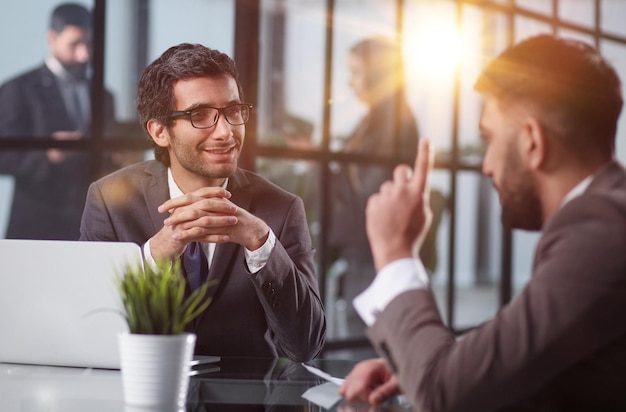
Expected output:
{"points": [[205, 105]]}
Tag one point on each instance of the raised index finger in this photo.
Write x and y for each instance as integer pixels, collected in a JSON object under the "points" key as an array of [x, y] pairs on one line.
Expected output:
{"points": [[423, 162]]}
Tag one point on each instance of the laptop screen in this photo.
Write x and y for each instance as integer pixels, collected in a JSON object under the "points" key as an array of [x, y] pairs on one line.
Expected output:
{"points": [[58, 301]]}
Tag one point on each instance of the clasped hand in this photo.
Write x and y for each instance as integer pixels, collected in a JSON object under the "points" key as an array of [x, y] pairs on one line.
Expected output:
{"points": [[206, 215]]}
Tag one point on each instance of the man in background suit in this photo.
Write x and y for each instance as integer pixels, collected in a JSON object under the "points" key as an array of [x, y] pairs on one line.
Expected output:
{"points": [[254, 235], [50, 101], [549, 122]]}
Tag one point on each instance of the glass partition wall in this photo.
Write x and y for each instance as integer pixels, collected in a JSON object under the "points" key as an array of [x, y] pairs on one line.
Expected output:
{"points": [[342, 90]]}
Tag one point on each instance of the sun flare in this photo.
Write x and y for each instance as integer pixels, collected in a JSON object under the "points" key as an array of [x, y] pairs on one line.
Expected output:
{"points": [[434, 48]]}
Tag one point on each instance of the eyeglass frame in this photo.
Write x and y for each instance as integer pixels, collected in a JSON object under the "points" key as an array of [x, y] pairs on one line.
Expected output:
{"points": [[220, 112]]}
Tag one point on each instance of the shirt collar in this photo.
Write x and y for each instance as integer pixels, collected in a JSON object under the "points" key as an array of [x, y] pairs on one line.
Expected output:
{"points": [[58, 70], [61, 73], [578, 190]]}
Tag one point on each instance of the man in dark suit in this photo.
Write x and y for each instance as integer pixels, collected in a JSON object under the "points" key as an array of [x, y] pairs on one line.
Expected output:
{"points": [[50, 101], [254, 235], [549, 122]]}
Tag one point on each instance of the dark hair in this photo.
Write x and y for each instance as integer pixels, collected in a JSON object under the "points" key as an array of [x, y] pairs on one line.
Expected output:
{"points": [[69, 14], [575, 93], [384, 66], [155, 98]]}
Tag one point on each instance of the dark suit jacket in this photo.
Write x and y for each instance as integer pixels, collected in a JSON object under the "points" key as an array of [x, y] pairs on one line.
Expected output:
{"points": [[48, 198], [275, 312], [559, 345]]}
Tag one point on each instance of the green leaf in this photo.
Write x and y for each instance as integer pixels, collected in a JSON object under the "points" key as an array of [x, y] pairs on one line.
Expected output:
{"points": [[153, 299]]}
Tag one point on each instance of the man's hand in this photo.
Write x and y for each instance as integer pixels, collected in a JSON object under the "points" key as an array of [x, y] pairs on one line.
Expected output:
{"points": [[206, 215], [370, 381], [398, 216], [60, 155]]}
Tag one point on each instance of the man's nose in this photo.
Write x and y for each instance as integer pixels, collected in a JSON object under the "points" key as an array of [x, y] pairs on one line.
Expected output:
{"points": [[223, 129]]}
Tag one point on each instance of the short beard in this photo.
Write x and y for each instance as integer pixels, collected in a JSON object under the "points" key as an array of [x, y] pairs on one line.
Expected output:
{"points": [[189, 159], [521, 207]]}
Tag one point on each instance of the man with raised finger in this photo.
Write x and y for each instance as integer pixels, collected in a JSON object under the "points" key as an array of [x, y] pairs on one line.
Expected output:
{"points": [[249, 238], [551, 107]]}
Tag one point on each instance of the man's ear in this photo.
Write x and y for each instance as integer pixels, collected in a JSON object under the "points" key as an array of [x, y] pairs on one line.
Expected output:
{"points": [[158, 132], [534, 143]]}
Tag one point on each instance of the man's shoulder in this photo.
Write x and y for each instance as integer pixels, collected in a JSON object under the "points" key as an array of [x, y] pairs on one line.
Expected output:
{"points": [[609, 185], [134, 173], [602, 204], [33, 76]]}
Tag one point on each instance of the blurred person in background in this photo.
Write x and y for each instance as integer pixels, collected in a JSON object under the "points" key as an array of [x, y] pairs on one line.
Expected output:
{"points": [[388, 130], [51, 101]]}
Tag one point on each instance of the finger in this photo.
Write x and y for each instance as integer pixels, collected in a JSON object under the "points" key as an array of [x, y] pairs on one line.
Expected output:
{"points": [[196, 233], [189, 198], [383, 392], [423, 163], [171, 204], [402, 173], [211, 191], [195, 217]]}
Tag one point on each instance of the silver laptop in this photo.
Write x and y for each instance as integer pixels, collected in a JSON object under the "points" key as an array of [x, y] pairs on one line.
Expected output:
{"points": [[58, 301]]}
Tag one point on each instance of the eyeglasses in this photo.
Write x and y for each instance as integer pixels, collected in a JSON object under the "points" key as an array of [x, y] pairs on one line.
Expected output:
{"points": [[206, 116]]}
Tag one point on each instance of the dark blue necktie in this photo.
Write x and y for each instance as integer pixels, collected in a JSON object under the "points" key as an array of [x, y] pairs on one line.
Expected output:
{"points": [[195, 264]]}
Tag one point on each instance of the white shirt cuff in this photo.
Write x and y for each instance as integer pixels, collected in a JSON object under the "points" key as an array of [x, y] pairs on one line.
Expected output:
{"points": [[147, 256], [392, 280], [257, 259]]}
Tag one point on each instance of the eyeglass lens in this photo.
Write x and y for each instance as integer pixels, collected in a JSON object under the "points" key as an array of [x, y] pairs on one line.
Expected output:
{"points": [[236, 114]]}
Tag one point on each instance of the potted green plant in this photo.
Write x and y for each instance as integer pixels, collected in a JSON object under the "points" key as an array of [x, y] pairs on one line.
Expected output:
{"points": [[156, 352]]}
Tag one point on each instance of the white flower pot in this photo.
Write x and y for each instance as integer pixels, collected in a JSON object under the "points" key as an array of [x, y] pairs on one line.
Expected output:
{"points": [[155, 368]]}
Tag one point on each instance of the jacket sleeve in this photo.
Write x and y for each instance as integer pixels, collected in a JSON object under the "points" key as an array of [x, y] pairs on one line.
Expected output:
{"points": [[288, 290], [569, 313]]}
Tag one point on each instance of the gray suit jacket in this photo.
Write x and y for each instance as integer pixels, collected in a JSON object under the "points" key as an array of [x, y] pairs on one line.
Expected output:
{"points": [[275, 312], [559, 345]]}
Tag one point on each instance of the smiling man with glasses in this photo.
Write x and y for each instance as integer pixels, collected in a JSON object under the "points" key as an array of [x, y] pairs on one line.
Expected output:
{"points": [[245, 236]]}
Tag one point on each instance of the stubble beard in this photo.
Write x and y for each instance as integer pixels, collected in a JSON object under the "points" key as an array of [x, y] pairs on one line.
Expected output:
{"points": [[521, 206], [190, 158]]}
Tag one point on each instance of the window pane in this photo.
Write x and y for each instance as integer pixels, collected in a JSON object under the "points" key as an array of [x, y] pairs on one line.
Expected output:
{"points": [[616, 54], [612, 16], [363, 77], [538, 6], [478, 248], [525, 27], [578, 12], [291, 85], [45, 94], [48, 192], [431, 52]]}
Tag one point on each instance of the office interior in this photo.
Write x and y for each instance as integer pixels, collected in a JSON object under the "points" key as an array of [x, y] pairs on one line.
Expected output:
{"points": [[293, 61]]}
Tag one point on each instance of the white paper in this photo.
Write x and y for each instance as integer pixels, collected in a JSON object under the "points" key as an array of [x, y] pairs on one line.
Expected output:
{"points": [[323, 375], [325, 395]]}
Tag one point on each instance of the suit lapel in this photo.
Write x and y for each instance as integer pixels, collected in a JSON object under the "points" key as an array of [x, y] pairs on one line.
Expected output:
{"points": [[155, 191], [48, 91]]}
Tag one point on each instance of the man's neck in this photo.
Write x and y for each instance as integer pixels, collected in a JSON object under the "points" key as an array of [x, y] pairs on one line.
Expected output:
{"points": [[185, 185]]}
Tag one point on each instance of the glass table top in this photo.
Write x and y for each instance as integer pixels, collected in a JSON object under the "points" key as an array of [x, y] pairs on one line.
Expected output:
{"points": [[224, 384]]}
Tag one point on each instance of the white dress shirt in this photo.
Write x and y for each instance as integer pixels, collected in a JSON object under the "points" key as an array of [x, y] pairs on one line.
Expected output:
{"points": [[255, 259], [407, 274]]}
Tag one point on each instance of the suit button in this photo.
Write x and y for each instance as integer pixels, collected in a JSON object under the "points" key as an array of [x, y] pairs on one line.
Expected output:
{"points": [[267, 286]]}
